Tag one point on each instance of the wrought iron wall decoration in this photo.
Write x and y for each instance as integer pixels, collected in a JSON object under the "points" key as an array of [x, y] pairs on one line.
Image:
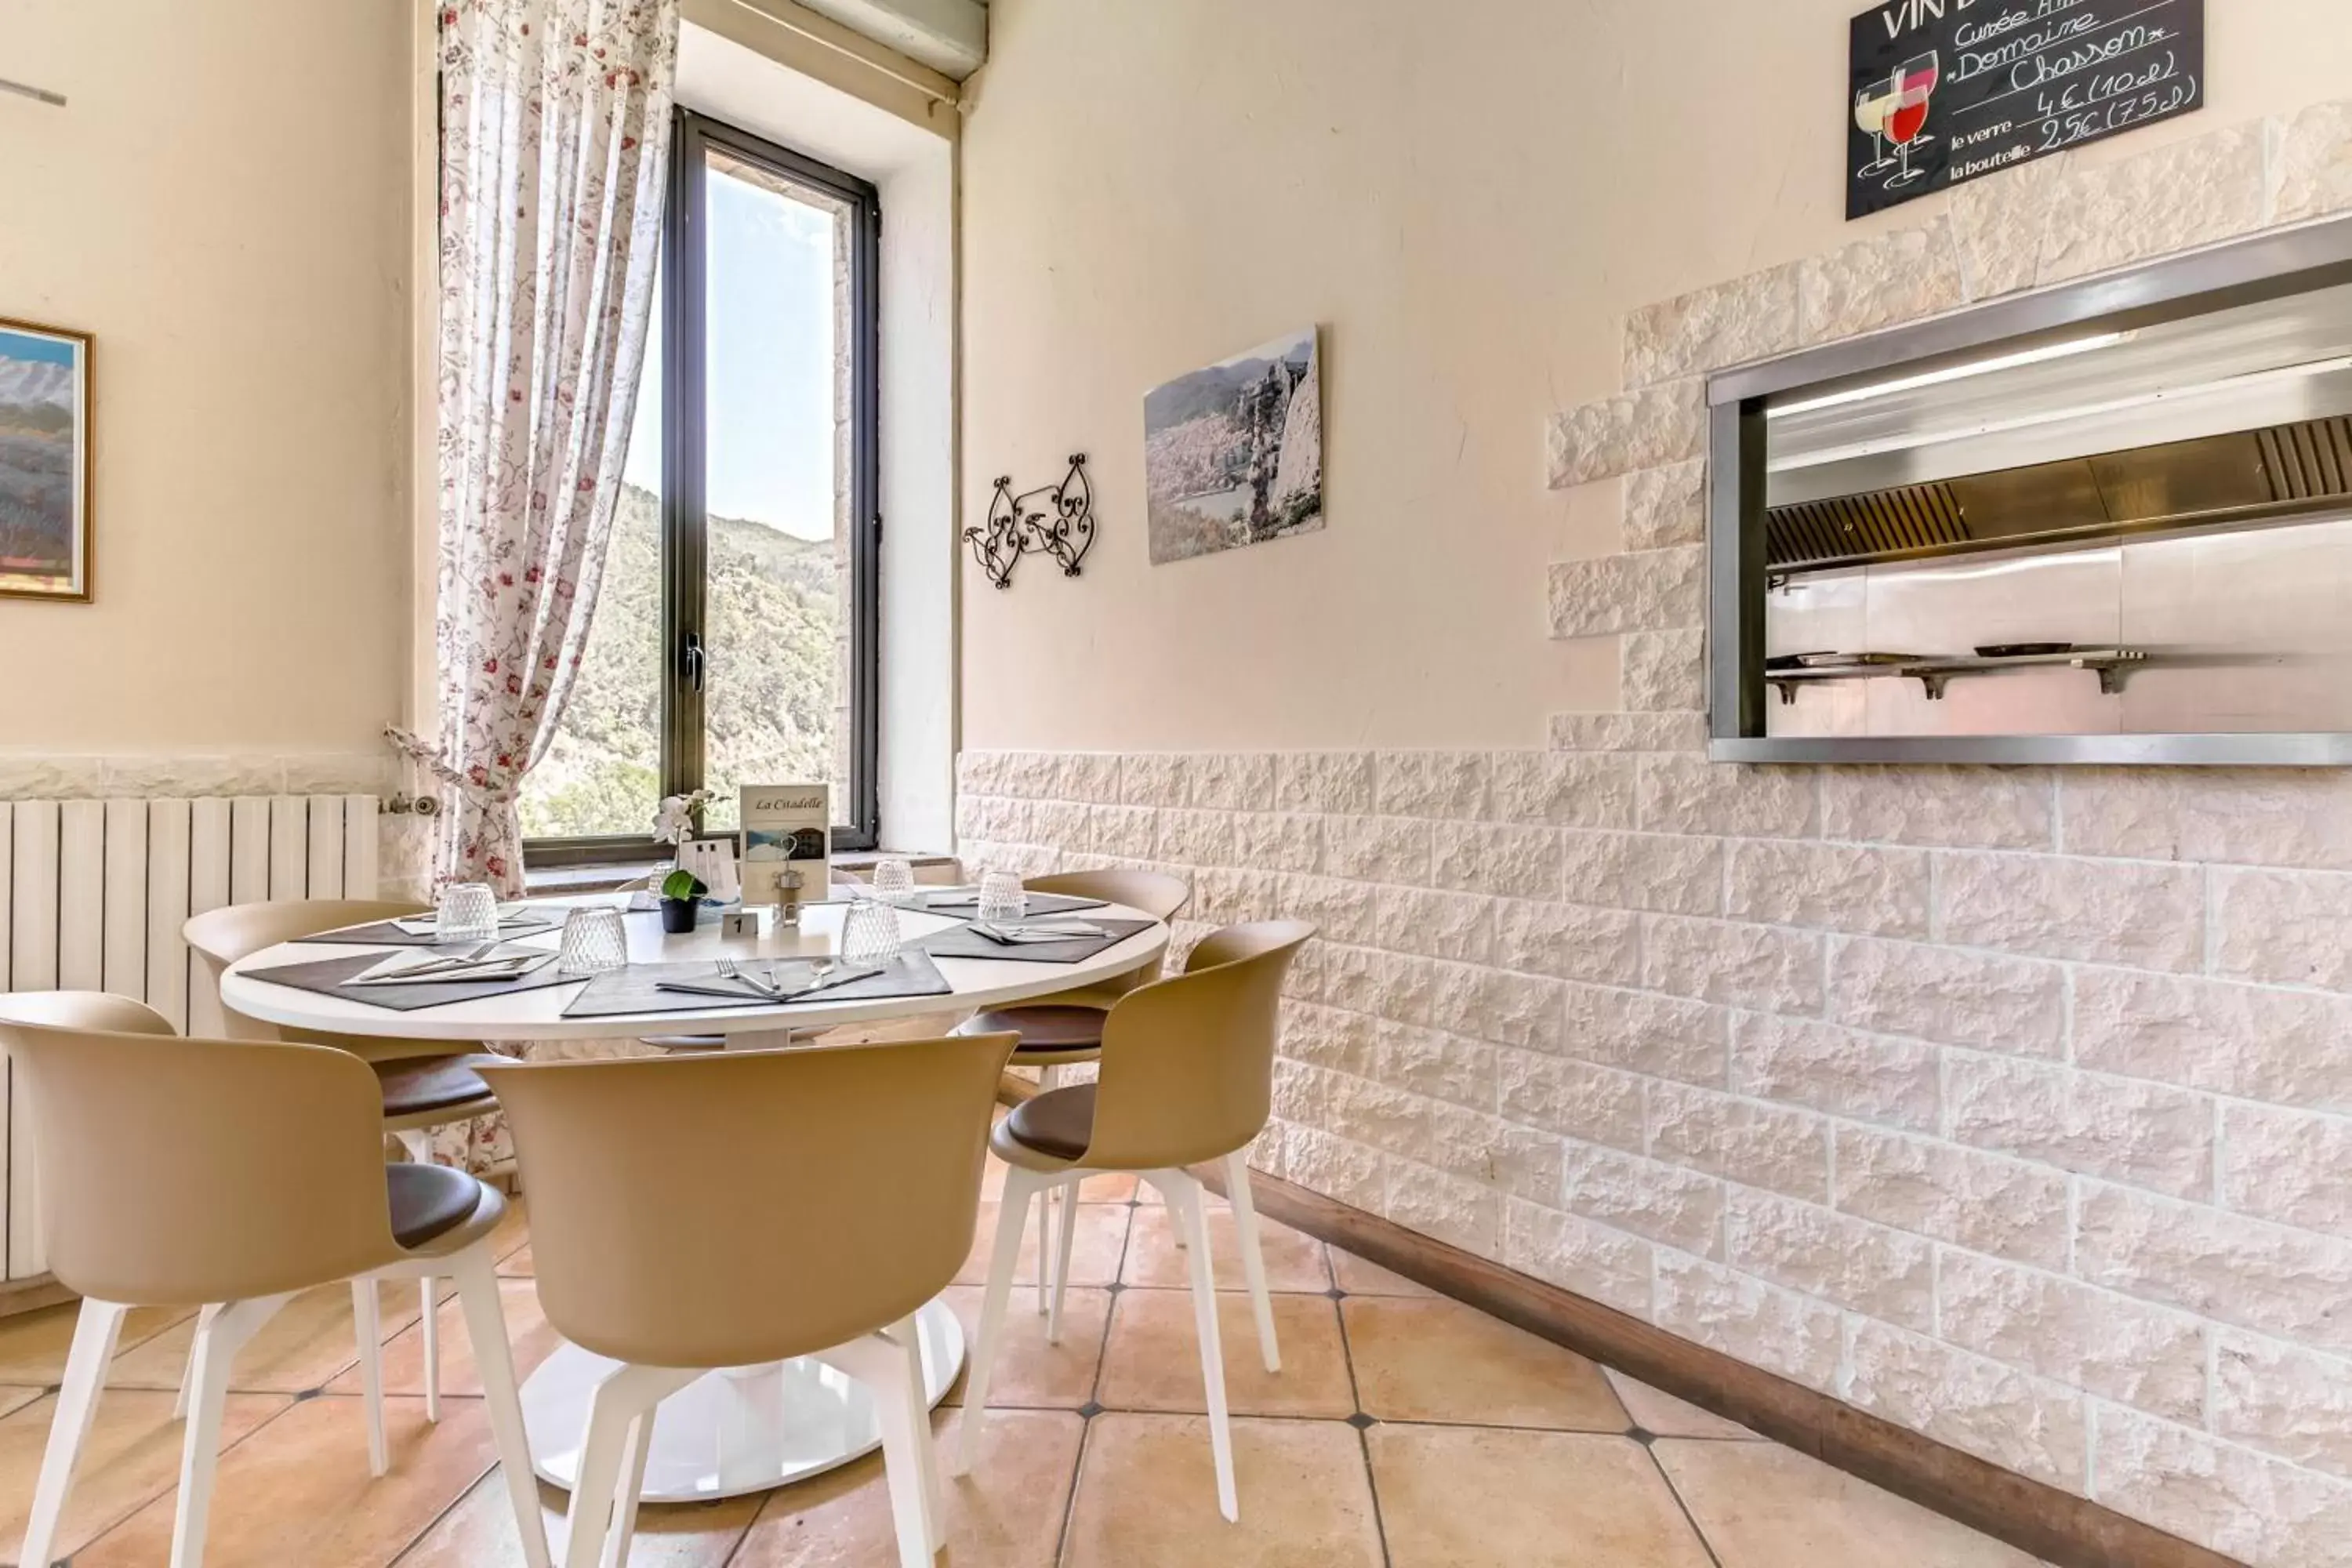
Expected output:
{"points": [[1055, 519]]}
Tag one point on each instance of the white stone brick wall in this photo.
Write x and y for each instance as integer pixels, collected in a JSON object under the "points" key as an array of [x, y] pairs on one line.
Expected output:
{"points": [[2012, 1105], [2039, 1147]]}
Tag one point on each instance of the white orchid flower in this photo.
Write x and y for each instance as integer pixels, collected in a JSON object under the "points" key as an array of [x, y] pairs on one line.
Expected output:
{"points": [[673, 821]]}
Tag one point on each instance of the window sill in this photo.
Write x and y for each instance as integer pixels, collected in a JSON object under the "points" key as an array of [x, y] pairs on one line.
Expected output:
{"points": [[553, 882]]}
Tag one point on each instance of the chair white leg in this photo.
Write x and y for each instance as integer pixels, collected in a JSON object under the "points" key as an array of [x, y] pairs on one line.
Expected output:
{"points": [[906, 1334], [1045, 1249], [1237, 1191], [633, 1483], [885, 1367], [367, 1326], [418, 1143], [625, 1394], [486, 1326], [200, 1450], [1065, 1194], [432, 1352], [96, 1331], [1048, 1078], [1185, 1208], [188, 1374], [1012, 1218]]}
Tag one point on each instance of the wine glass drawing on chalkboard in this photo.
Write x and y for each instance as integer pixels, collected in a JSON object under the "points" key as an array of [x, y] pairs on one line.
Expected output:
{"points": [[1906, 123], [1922, 75], [1872, 105]]}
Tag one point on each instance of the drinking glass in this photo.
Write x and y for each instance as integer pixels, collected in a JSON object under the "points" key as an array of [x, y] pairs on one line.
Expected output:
{"points": [[869, 934], [468, 911], [894, 881], [1002, 900], [594, 942]]}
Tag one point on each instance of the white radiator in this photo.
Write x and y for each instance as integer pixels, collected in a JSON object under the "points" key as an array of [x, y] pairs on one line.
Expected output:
{"points": [[93, 893]]}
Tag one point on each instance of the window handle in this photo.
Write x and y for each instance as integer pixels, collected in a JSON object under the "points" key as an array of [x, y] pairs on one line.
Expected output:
{"points": [[696, 658]]}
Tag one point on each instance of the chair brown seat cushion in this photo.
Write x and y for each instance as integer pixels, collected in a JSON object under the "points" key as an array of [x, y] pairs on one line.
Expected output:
{"points": [[1059, 1122], [415, 1086], [428, 1201], [1044, 1027]]}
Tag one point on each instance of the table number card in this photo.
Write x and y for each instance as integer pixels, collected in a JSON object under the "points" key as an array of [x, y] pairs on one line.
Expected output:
{"points": [[786, 825]]}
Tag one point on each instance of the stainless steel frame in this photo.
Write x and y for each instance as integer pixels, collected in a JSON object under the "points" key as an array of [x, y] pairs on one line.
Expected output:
{"points": [[2262, 268]]}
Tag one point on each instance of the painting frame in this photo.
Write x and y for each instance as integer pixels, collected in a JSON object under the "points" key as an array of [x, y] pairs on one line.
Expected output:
{"points": [[1233, 452], [80, 581]]}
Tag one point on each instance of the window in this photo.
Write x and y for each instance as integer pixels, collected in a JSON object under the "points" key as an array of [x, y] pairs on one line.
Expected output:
{"points": [[735, 635]]}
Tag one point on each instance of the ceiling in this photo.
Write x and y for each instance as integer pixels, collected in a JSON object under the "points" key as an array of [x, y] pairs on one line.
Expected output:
{"points": [[949, 35]]}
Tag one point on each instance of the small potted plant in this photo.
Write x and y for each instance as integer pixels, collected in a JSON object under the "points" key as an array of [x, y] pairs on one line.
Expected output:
{"points": [[673, 825], [681, 901]]}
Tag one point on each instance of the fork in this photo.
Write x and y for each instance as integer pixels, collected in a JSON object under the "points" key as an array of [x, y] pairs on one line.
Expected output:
{"points": [[728, 971]]}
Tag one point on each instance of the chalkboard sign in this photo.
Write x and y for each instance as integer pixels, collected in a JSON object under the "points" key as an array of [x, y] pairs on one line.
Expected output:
{"points": [[1946, 90]]}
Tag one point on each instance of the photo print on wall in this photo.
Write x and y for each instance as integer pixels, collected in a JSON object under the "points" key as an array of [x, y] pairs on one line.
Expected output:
{"points": [[1233, 453], [45, 464]]}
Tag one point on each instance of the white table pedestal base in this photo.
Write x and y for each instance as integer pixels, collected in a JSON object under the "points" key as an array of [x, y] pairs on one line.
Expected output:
{"points": [[746, 1429]]}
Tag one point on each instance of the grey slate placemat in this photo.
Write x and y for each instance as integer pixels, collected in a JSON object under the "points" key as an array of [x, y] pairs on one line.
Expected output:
{"points": [[963, 941], [387, 934], [633, 990], [1040, 904], [327, 977]]}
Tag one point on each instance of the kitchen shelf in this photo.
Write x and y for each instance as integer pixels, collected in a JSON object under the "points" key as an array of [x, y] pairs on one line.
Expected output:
{"points": [[2110, 664]]}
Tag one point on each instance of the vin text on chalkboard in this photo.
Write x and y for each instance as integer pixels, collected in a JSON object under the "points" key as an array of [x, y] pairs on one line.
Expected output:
{"points": [[1944, 92]]}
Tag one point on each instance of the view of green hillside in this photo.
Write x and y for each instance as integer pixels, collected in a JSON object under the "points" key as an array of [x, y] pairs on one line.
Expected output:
{"points": [[771, 617]]}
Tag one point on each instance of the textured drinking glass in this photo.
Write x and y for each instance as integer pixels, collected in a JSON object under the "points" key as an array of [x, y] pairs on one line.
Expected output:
{"points": [[594, 942], [1002, 900], [869, 934], [894, 881], [468, 911]]}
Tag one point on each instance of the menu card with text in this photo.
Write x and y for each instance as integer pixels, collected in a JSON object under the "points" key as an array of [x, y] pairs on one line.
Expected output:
{"points": [[786, 825]]}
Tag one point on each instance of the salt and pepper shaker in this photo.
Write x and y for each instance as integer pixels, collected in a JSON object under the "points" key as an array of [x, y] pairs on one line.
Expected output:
{"points": [[790, 882]]}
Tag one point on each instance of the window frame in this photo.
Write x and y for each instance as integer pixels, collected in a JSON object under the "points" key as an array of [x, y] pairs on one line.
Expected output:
{"points": [[684, 526]]}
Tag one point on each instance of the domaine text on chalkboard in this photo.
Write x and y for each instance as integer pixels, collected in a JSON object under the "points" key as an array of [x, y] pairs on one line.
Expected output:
{"points": [[1946, 90]]}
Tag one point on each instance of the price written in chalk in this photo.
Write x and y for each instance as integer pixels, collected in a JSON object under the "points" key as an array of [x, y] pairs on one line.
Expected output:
{"points": [[1949, 90]]}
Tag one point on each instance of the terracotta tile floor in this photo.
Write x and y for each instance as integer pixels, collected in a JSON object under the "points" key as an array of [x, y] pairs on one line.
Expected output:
{"points": [[1404, 1431]]}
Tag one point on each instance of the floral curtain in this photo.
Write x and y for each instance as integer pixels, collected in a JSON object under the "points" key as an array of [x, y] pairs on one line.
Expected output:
{"points": [[554, 131]]}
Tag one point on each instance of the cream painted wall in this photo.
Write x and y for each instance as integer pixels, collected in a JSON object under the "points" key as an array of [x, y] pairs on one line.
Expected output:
{"points": [[224, 204], [1468, 197]]}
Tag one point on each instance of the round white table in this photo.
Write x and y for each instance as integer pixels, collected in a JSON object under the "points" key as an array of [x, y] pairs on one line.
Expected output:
{"points": [[745, 1429]]}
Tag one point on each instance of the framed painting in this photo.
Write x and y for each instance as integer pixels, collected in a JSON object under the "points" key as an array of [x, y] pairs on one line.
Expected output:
{"points": [[44, 462]]}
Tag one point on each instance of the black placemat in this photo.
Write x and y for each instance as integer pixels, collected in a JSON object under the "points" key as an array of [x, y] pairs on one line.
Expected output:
{"points": [[1040, 904], [328, 977], [965, 942], [387, 934], [633, 990]]}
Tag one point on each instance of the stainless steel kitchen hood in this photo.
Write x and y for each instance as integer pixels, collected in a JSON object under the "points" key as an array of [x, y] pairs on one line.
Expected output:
{"points": [[2237, 416], [2276, 473]]}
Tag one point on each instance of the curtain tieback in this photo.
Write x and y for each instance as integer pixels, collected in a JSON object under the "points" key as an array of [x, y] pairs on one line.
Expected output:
{"points": [[436, 763]]}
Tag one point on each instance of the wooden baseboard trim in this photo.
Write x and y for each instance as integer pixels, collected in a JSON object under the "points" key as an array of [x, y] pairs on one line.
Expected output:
{"points": [[2053, 1525], [20, 1295]]}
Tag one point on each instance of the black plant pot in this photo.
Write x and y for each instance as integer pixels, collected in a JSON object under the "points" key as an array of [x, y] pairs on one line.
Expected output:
{"points": [[679, 915]]}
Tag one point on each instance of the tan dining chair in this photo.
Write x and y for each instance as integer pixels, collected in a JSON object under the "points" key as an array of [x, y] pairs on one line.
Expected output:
{"points": [[180, 1172], [1065, 1030], [1187, 1076], [423, 1083], [693, 1213]]}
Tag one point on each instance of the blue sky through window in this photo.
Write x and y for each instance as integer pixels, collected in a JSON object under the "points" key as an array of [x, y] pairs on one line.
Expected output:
{"points": [[771, 357]]}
